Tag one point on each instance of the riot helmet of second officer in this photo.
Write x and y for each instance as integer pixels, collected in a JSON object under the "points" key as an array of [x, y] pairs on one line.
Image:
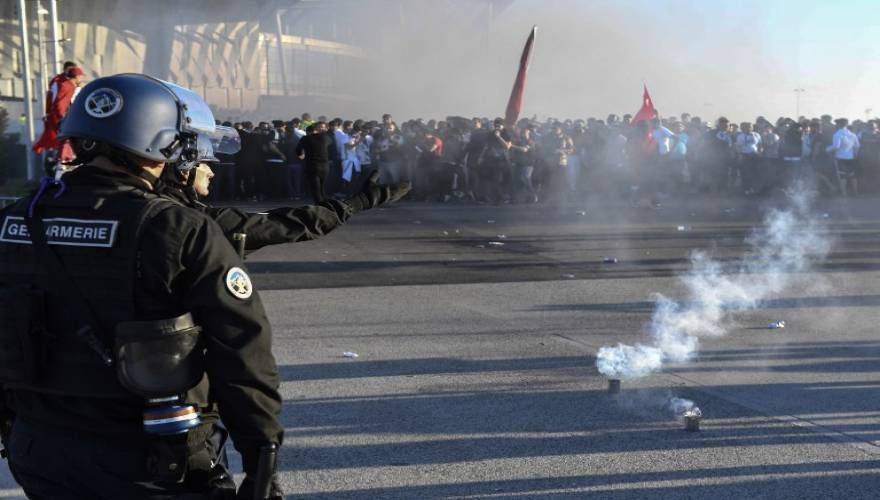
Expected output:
{"points": [[193, 175]]}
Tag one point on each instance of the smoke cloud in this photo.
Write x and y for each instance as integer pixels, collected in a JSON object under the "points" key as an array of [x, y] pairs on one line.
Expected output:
{"points": [[789, 241], [681, 407], [431, 59]]}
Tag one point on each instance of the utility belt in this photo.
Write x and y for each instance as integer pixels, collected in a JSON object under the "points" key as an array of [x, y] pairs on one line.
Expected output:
{"points": [[156, 360], [160, 361]]}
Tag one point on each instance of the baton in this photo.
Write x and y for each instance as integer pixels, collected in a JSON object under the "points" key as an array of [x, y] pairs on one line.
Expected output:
{"points": [[265, 471], [239, 239]]}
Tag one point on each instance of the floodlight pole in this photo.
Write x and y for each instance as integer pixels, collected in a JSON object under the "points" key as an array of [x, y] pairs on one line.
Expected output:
{"points": [[26, 85]]}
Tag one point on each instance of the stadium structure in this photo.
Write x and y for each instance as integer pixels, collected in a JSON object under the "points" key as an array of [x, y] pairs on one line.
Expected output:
{"points": [[245, 57]]}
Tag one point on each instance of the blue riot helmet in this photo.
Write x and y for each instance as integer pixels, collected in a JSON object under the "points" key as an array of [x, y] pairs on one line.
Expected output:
{"points": [[204, 153], [137, 115], [223, 141]]}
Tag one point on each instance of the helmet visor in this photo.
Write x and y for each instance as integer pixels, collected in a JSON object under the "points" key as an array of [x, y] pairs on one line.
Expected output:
{"points": [[224, 140], [200, 119]]}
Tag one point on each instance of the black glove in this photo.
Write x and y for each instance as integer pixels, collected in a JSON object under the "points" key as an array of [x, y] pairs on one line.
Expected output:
{"points": [[246, 490], [374, 194], [5, 431]]}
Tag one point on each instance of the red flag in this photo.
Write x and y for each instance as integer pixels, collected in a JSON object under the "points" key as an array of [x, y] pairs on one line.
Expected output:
{"points": [[647, 111], [514, 105]]}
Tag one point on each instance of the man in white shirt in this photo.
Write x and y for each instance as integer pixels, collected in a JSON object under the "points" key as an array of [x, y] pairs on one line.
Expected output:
{"points": [[663, 137], [662, 174], [748, 148], [296, 125], [678, 155], [343, 138], [845, 146]]}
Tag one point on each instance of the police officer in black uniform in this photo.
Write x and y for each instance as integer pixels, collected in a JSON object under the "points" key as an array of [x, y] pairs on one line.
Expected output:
{"points": [[189, 183], [128, 324]]}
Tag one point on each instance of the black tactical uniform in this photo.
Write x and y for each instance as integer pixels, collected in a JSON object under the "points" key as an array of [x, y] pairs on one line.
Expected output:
{"points": [[123, 257], [279, 225]]}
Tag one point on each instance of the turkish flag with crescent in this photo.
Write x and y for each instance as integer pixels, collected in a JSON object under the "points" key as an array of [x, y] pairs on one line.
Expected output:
{"points": [[514, 104], [647, 111]]}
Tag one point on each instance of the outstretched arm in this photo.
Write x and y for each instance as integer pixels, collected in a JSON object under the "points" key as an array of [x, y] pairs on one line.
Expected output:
{"points": [[281, 225]]}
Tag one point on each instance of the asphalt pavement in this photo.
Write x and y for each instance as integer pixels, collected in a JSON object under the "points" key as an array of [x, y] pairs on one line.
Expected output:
{"points": [[476, 329]]}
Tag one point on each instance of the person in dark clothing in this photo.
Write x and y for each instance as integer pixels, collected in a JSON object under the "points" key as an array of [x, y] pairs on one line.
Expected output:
{"points": [[791, 150], [225, 172], [523, 160], [315, 150], [156, 332], [719, 155], [434, 178], [333, 180], [869, 155], [471, 156], [272, 175], [388, 152], [494, 167], [248, 160], [555, 148], [257, 146], [294, 167]]}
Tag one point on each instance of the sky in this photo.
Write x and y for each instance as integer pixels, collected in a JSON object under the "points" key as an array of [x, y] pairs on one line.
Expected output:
{"points": [[740, 59]]}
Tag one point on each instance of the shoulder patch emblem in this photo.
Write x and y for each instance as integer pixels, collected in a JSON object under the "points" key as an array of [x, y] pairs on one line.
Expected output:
{"points": [[239, 283]]}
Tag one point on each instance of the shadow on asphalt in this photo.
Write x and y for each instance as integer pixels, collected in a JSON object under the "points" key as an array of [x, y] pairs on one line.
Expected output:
{"points": [[495, 420], [839, 480], [781, 303], [856, 350], [848, 357], [428, 366], [466, 427], [830, 357], [509, 264]]}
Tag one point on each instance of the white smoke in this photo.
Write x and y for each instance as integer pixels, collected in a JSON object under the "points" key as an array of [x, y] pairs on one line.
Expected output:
{"points": [[681, 407], [788, 243]]}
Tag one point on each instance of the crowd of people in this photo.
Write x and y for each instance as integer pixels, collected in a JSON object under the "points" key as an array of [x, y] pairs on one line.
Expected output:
{"points": [[532, 161], [550, 161]]}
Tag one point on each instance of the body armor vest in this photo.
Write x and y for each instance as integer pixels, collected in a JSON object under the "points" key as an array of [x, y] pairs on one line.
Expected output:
{"points": [[94, 231]]}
